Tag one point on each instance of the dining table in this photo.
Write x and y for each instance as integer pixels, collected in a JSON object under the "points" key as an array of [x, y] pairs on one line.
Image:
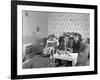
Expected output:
{"points": [[66, 55]]}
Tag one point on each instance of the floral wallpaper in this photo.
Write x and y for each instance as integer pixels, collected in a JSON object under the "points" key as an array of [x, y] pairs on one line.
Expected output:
{"points": [[69, 22]]}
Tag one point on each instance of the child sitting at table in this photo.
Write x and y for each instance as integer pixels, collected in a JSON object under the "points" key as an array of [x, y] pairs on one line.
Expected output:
{"points": [[51, 44]]}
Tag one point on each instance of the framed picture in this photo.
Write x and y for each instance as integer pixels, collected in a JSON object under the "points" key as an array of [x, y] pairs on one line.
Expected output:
{"points": [[53, 39]]}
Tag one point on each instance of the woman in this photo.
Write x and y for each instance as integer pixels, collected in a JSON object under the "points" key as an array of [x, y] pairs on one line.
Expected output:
{"points": [[69, 45], [76, 43], [83, 59], [69, 48]]}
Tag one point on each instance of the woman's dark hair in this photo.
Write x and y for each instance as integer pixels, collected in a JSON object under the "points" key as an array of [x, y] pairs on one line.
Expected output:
{"points": [[80, 37], [75, 34], [71, 38]]}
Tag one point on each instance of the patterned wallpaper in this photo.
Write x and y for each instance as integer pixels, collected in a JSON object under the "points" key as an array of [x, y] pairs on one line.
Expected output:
{"points": [[69, 22]]}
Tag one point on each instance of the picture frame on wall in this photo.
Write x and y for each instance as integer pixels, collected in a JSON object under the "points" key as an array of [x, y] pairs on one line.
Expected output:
{"points": [[31, 25]]}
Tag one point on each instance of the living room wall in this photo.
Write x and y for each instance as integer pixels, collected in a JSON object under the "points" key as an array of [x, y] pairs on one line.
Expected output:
{"points": [[32, 20], [53, 23], [69, 22]]}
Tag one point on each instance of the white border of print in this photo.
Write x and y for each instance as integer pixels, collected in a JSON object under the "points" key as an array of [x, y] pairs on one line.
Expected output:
{"points": [[52, 70]]}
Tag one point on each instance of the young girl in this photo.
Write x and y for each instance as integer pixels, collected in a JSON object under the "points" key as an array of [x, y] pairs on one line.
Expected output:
{"points": [[51, 44]]}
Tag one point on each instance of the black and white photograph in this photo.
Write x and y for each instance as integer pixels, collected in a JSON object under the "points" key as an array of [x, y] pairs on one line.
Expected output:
{"points": [[54, 39]]}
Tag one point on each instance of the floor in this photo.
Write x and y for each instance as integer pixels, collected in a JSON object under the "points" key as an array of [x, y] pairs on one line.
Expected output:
{"points": [[37, 62], [44, 61]]}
